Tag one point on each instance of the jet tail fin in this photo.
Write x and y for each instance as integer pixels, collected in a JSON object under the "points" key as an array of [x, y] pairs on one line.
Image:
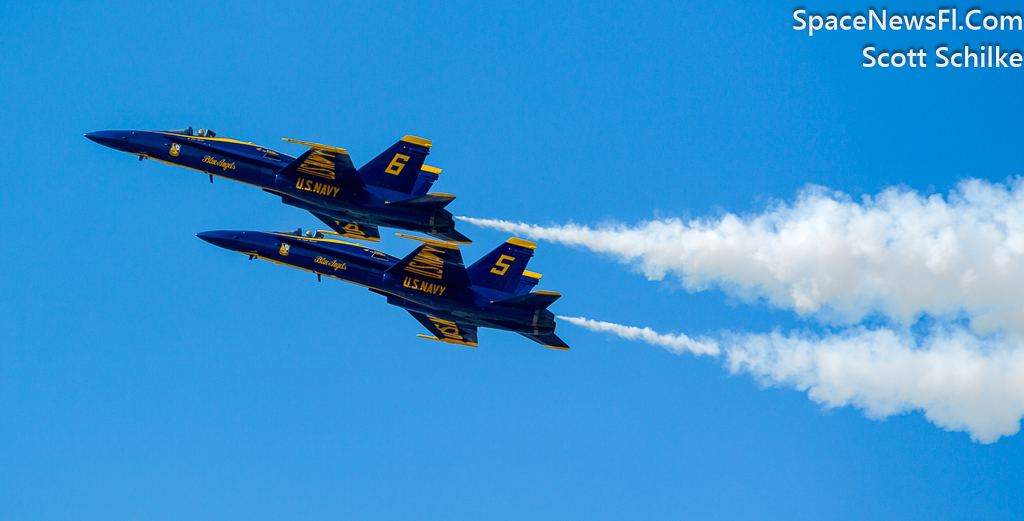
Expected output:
{"points": [[425, 180], [528, 281], [502, 269], [397, 168]]}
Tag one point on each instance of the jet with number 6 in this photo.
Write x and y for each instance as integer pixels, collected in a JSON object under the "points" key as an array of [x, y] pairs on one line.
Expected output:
{"points": [[389, 191], [431, 283]]}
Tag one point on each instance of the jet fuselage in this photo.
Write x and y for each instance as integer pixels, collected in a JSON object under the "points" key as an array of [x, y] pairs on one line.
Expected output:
{"points": [[258, 166], [357, 264]]}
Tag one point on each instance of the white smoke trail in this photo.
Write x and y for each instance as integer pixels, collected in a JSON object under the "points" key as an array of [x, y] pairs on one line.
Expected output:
{"points": [[960, 382], [677, 344], [900, 254]]}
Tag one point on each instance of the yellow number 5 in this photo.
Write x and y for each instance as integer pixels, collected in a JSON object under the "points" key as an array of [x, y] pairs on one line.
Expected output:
{"points": [[502, 263]]}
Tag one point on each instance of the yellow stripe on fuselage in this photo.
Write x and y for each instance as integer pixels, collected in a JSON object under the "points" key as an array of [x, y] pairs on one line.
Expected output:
{"points": [[316, 272], [317, 146], [316, 240], [221, 139], [432, 242]]}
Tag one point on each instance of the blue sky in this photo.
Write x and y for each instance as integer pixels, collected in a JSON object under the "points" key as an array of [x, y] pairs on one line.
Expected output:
{"points": [[146, 374]]}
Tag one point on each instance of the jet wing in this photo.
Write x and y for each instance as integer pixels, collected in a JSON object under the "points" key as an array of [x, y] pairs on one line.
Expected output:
{"points": [[446, 330], [352, 230], [326, 163], [434, 261]]}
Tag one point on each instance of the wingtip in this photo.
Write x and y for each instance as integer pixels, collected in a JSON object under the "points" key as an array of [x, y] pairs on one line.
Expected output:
{"points": [[435, 242], [317, 146], [448, 341]]}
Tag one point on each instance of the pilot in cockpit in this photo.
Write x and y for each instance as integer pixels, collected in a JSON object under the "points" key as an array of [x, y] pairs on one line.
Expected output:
{"points": [[201, 133], [309, 233]]}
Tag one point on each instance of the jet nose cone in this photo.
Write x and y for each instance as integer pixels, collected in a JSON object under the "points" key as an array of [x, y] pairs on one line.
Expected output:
{"points": [[215, 238], [207, 236], [229, 240], [115, 139]]}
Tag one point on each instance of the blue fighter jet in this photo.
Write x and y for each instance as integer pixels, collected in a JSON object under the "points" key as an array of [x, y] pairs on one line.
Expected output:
{"points": [[390, 190], [431, 283]]}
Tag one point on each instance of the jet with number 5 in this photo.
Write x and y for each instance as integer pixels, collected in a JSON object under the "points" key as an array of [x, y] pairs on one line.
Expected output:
{"points": [[431, 283], [389, 191]]}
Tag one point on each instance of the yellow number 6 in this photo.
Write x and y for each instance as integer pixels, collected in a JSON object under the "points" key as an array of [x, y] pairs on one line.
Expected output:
{"points": [[396, 166]]}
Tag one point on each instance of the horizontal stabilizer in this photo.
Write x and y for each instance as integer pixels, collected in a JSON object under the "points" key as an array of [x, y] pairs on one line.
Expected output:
{"points": [[425, 202], [451, 236], [351, 230], [536, 300], [549, 340]]}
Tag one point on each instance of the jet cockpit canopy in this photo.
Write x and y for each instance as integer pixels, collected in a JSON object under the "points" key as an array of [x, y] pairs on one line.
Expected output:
{"points": [[309, 233], [188, 132]]}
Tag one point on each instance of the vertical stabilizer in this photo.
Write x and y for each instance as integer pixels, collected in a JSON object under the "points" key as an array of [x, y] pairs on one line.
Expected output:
{"points": [[397, 168], [503, 268]]}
